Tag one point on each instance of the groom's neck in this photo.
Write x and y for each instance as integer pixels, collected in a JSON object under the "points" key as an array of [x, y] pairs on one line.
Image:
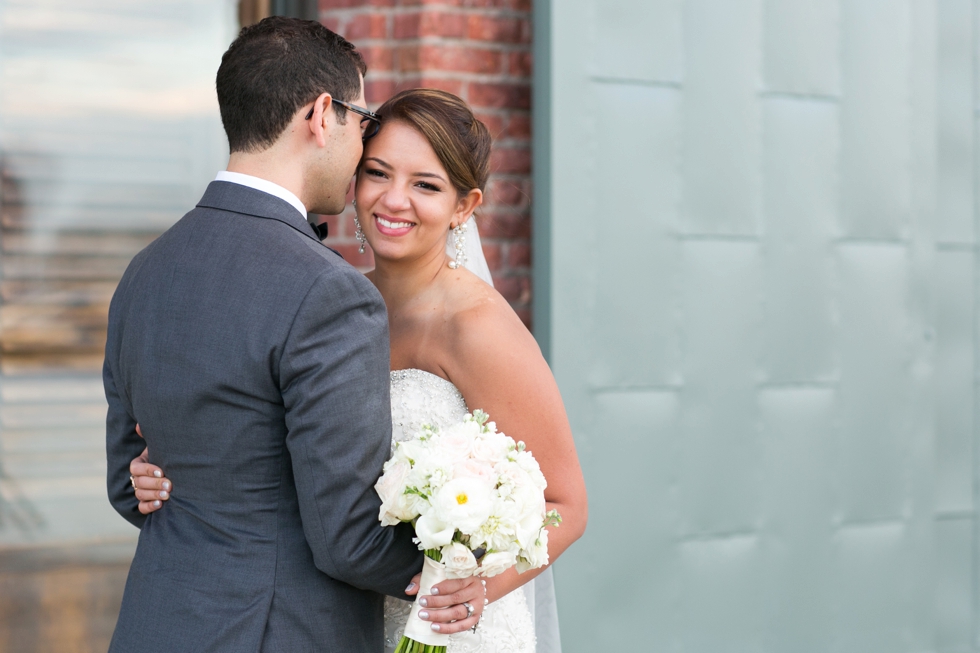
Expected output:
{"points": [[271, 165]]}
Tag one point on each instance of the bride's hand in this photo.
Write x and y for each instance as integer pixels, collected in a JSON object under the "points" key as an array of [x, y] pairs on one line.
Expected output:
{"points": [[447, 610], [152, 487]]}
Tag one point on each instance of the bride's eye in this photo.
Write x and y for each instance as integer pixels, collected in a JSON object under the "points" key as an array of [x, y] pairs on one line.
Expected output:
{"points": [[374, 172], [427, 186]]}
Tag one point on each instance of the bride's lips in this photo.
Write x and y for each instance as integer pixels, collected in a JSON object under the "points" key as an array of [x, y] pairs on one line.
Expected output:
{"points": [[389, 226]]}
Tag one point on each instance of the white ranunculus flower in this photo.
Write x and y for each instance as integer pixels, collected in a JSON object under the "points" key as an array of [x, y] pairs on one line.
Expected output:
{"points": [[459, 560], [463, 502], [432, 532], [497, 563]]}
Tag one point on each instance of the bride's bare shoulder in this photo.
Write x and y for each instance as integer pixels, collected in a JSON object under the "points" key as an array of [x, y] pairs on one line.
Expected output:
{"points": [[483, 318]]}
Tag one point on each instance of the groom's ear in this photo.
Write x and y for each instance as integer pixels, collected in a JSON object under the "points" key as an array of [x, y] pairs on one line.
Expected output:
{"points": [[321, 122]]}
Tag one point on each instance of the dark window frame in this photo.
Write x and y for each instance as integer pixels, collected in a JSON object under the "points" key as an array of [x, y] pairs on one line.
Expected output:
{"points": [[252, 11]]}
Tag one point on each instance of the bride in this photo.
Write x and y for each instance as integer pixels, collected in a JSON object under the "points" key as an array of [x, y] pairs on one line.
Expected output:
{"points": [[456, 344]]}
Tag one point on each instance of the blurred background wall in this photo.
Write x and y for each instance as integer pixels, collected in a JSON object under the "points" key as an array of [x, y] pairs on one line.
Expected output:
{"points": [[108, 133], [755, 276]]}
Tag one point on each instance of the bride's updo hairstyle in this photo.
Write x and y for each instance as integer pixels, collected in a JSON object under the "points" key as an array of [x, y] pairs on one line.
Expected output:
{"points": [[461, 142]]}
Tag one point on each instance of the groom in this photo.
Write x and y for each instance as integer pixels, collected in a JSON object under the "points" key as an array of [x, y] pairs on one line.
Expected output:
{"points": [[255, 361]]}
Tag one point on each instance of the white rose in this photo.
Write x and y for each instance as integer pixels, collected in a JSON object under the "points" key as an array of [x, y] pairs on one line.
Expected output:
{"points": [[497, 563], [471, 468], [390, 487], [536, 556], [511, 476], [432, 532], [463, 502], [459, 560], [527, 462], [457, 443], [532, 511], [491, 447]]}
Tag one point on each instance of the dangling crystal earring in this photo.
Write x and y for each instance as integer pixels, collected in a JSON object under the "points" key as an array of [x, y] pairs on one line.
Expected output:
{"points": [[358, 232], [459, 239]]}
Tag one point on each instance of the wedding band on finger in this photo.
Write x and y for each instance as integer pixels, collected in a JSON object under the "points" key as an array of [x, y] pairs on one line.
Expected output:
{"points": [[469, 609], [132, 481]]}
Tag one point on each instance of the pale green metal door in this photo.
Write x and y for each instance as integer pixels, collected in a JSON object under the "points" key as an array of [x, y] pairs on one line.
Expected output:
{"points": [[755, 259]]}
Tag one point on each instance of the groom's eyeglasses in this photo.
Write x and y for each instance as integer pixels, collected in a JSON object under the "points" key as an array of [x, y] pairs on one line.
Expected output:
{"points": [[370, 121]]}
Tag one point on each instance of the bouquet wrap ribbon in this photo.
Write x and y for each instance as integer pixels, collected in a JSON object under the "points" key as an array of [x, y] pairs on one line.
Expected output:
{"points": [[416, 629]]}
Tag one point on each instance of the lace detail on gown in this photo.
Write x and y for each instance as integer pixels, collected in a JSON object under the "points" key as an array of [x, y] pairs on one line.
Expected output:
{"points": [[417, 398]]}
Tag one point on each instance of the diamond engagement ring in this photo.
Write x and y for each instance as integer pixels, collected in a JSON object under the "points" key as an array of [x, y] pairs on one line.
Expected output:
{"points": [[469, 609]]}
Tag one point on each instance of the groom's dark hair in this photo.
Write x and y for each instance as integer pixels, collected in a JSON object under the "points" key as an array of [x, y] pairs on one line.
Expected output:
{"points": [[274, 68]]}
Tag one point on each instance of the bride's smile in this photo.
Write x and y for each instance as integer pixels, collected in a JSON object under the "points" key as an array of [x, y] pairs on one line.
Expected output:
{"points": [[392, 226]]}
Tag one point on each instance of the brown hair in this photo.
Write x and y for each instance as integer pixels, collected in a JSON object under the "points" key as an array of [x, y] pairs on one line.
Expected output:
{"points": [[461, 142], [275, 67]]}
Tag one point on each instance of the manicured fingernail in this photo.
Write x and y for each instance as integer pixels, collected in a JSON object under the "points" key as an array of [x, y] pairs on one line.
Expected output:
{"points": [[423, 614], [423, 603], [410, 587], [436, 627], [164, 495], [157, 504], [166, 485], [435, 590], [158, 473]]}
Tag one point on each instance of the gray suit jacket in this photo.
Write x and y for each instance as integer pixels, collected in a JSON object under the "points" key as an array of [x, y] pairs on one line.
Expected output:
{"points": [[256, 362]]}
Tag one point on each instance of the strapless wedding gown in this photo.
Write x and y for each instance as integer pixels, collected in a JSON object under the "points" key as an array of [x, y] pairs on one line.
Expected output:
{"points": [[418, 398]]}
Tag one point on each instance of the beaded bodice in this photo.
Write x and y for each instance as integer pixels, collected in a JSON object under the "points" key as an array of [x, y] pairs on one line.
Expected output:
{"points": [[419, 397]]}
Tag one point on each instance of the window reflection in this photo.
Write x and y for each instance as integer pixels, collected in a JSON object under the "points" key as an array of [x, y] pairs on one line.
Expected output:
{"points": [[109, 131]]}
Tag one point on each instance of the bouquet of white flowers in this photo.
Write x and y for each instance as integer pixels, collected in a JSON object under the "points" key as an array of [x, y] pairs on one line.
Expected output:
{"points": [[476, 499]]}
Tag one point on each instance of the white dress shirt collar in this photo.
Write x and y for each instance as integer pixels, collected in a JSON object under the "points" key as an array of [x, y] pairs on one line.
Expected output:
{"points": [[263, 185]]}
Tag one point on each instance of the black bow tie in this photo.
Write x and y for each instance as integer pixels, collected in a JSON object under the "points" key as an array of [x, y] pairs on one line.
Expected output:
{"points": [[320, 229]]}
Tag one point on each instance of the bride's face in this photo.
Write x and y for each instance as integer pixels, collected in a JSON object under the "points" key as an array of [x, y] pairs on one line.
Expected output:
{"points": [[405, 202]]}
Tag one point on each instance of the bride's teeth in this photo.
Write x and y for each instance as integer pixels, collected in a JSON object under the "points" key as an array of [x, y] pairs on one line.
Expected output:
{"points": [[394, 225]]}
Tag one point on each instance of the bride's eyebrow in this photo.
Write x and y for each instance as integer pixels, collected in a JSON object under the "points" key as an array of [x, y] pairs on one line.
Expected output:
{"points": [[429, 175], [379, 162]]}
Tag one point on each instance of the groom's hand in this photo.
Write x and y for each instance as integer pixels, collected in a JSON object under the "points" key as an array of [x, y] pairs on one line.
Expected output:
{"points": [[446, 608]]}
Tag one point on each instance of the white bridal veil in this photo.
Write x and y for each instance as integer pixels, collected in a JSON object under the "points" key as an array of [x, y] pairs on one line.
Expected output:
{"points": [[540, 593]]}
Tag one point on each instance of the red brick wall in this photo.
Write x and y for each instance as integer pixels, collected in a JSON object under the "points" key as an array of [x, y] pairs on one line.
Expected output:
{"points": [[480, 50]]}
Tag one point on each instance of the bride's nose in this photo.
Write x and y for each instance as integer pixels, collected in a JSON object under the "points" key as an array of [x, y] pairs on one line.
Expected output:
{"points": [[395, 199]]}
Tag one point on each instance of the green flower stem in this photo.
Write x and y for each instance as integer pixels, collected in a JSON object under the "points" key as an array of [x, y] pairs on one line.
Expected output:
{"points": [[408, 645]]}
